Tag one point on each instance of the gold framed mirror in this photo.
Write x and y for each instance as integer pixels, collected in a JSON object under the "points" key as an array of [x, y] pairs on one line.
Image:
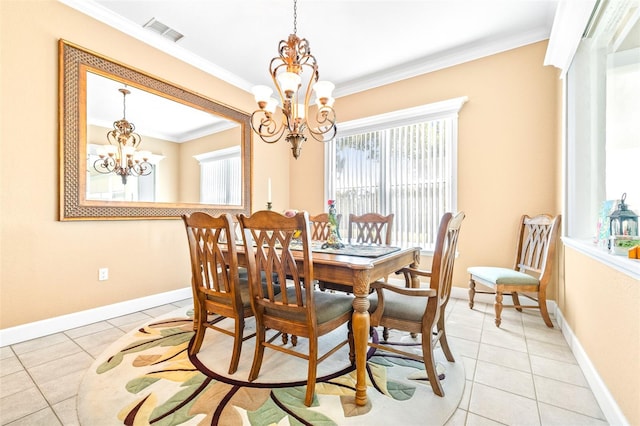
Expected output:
{"points": [[184, 165]]}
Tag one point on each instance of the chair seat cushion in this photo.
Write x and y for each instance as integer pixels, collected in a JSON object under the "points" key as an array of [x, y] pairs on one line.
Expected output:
{"points": [[328, 306], [331, 305], [502, 275], [400, 306]]}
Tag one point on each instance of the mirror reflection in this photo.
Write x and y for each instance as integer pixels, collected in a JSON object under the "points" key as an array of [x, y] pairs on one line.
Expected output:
{"points": [[170, 152], [184, 152]]}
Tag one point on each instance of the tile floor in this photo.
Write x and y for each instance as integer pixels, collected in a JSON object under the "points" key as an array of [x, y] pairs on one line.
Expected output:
{"points": [[520, 374]]}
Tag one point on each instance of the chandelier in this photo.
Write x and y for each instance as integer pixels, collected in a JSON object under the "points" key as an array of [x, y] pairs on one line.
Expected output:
{"points": [[121, 156], [295, 91]]}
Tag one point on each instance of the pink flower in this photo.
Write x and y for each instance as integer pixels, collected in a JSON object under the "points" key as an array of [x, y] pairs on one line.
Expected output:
{"points": [[290, 212], [331, 202]]}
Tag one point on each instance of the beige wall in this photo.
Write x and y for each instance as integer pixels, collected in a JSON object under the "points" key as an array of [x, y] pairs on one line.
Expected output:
{"points": [[507, 147], [50, 268], [602, 307]]}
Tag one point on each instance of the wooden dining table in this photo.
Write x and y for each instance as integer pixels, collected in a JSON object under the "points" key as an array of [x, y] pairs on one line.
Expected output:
{"points": [[358, 272]]}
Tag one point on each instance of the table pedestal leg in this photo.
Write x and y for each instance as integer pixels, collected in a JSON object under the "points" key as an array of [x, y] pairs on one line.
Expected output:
{"points": [[360, 325]]}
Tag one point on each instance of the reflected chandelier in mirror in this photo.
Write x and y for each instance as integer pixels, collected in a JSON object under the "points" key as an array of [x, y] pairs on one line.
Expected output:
{"points": [[207, 168]]}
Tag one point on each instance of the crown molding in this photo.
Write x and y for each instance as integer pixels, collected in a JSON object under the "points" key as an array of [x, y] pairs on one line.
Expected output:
{"points": [[441, 60], [569, 23], [431, 63], [106, 16]]}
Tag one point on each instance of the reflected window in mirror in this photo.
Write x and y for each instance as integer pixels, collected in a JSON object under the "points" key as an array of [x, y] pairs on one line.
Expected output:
{"points": [[220, 176]]}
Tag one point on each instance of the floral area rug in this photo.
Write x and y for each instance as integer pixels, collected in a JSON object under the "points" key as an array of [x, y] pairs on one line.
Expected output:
{"points": [[148, 378]]}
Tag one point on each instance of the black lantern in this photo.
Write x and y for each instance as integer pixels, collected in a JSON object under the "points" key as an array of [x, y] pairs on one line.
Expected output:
{"points": [[623, 221]]}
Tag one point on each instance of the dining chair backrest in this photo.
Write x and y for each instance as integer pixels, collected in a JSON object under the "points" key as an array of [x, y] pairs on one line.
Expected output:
{"points": [[370, 228], [320, 226], [444, 256], [281, 299], [214, 263], [536, 245]]}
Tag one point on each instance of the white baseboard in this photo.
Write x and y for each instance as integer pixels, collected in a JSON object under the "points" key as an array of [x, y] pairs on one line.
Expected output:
{"points": [[607, 403], [21, 333]]}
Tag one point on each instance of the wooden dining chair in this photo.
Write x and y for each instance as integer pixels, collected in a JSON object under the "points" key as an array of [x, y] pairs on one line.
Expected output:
{"points": [[531, 272], [369, 228], [217, 287], [298, 309], [421, 310], [320, 228]]}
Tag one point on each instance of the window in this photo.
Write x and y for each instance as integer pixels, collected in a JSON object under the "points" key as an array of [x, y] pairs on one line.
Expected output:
{"points": [[603, 100], [602, 148], [221, 176], [402, 162]]}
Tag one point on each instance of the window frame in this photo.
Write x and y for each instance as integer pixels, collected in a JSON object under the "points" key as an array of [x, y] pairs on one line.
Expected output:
{"points": [[449, 108], [205, 159], [585, 138]]}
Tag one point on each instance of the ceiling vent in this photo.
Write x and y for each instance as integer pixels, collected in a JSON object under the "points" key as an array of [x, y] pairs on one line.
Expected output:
{"points": [[162, 29]]}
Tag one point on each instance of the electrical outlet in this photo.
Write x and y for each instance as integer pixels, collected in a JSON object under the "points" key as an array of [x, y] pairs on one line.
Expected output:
{"points": [[103, 274]]}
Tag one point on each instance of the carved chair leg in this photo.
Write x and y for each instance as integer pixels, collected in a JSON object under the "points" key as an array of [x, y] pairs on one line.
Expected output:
{"points": [[542, 303], [516, 301], [200, 330], [259, 353], [498, 307], [444, 344], [430, 364], [385, 334], [237, 345], [472, 292], [313, 371]]}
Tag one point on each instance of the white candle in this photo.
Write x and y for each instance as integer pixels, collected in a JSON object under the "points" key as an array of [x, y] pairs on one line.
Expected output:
{"points": [[269, 190]]}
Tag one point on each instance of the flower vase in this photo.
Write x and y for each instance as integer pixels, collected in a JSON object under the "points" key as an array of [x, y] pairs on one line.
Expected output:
{"points": [[333, 240]]}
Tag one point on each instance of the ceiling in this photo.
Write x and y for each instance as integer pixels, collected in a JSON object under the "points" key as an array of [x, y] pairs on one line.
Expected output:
{"points": [[359, 44]]}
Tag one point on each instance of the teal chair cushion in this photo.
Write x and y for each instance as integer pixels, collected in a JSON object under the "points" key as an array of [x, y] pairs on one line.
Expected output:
{"points": [[502, 275]]}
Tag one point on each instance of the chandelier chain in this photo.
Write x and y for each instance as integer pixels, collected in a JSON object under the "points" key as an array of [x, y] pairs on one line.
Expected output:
{"points": [[295, 16], [124, 103]]}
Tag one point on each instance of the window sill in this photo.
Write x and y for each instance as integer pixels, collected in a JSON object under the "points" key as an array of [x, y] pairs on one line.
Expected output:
{"points": [[630, 267]]}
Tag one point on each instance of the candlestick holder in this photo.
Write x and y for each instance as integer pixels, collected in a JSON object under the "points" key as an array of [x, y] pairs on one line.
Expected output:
{"points": [[269, 205]]}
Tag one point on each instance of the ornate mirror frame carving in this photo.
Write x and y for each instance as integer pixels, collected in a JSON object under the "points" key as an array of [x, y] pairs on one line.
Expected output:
{"points": [[74, 62]]}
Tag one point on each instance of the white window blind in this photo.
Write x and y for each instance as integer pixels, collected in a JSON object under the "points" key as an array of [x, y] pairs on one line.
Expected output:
{"points": [[402, 163], [221, 176]]}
